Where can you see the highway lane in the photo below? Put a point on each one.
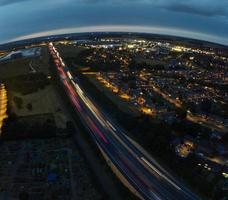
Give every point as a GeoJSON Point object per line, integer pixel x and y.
{"type": "Point", "coordinates": [106, 145]}
{"type": "Point", "coordinates": [119, 148]}
{"type": "Point", "coordinates": [97, 135]}
{"type": "Point", "coordinates": [147, 159]}
{"type": "Point", "coordinates": [121, 159]}
{"type": "Point", "coordinates": [115, 154]}
{"type": "Point", "coordinates": [140, 156]}
{"type": "Point", "coordinates": [130, 150]}
{"type": "Point", "coordinates": [148, 179]}
{"type": "Point", "coordinates": [131, 156]}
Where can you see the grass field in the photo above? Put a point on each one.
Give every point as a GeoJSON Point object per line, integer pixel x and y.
{"type": "Point", "coordinates": [124, 106]}
{"type": "Point", "coordinates": [69, 51]}
{"type": "Point", "coordinates": [43, 101]}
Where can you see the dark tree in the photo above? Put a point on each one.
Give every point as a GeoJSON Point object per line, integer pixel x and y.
{"type": "Point", "coordinates": [29, 106]}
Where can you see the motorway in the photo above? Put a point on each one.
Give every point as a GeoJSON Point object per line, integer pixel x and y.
{"type": "Point", "coordinates": [140, 172]}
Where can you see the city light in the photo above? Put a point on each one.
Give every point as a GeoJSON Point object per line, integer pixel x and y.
{"type": "Point", "coordinates": [3, 105]}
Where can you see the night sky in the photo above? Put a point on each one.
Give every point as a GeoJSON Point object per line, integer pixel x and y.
{"type": "Point", "coordinates": [201, 19]}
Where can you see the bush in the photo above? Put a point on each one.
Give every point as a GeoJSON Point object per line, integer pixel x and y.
{"type": "Point", "coordinates": [29, 106]}
{"type": "Point", "coordinates": [18, 101]}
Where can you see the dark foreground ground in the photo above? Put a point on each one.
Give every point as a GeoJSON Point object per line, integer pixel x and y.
{"type": "Point", "coordinates": [44, 169]}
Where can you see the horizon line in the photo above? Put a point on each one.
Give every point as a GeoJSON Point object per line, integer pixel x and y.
{"type": "Point", "coordinates": [166, 31]}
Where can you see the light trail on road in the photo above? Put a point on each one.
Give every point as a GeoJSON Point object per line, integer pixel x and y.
{"type": "Point", "coordinates": [147, 178]}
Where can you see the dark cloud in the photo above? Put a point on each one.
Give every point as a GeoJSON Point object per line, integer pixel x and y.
{"type": "Point", "coordinates": [197, 7]}
{"type": "Point", "coordinates": [8, 2]}
{"type": "Point", "coordinates": [192, 9]}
